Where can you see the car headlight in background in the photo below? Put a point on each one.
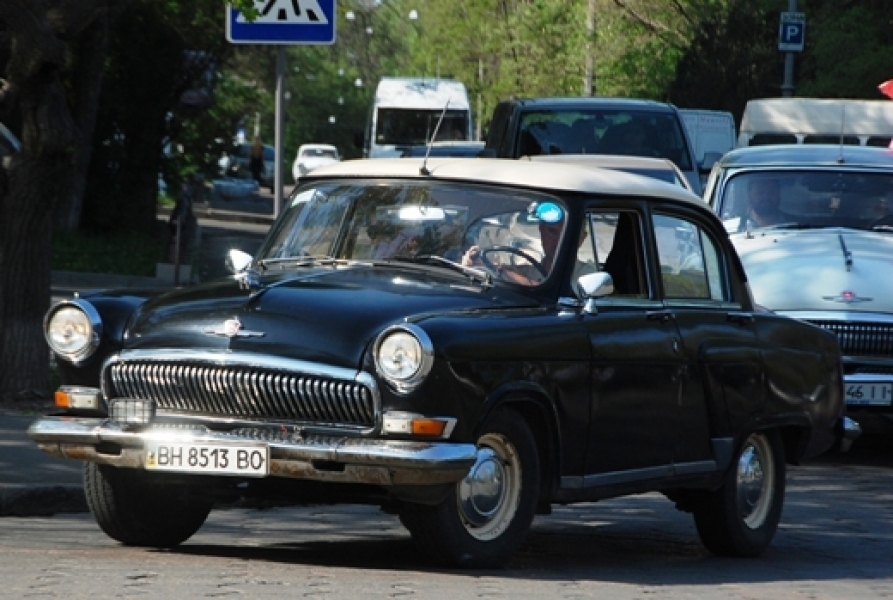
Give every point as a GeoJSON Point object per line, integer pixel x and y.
{"type": "Point", "coordinates": [73, 330]}
{"type": "Point", "coordinates": [404, 355]}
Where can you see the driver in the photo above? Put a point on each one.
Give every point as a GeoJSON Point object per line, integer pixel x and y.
{"type": "Point", "coordinates": [550, 226]}
{"type": "Point", "coordinates": [764, 198]}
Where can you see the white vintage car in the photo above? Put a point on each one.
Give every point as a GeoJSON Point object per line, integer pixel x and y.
{"type": "Point", "coordinates": [311, 156]}
{"type": "Point", "coordinates": [813, 225]}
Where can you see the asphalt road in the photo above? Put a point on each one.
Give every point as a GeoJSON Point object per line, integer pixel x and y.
{"type": "Point", "coordinates": [835, 542]}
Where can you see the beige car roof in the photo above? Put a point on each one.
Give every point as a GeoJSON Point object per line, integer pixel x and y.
{"type": "Point", "coordinates": [537, 175]}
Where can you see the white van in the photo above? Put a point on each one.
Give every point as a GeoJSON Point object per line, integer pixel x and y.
{"type": "Point", "coordinates": [406, 111]}
{"type": "Point", "coordinates": [711, 131]}
{"type": "Point", "coordinates": [712, 134]}
{"type": "Point", "coordinates": [816, 121]}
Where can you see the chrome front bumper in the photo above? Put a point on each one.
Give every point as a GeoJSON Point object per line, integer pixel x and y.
{"type": "Point", "coordinates": [320, 458]}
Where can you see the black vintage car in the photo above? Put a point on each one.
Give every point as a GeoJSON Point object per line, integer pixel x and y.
{"type": "Point", "coordinates": [463, 342]}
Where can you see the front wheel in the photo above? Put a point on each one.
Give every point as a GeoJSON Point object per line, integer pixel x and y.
{"type": "Point", "coordinates": [135, 508]}
{"type": "Point", "coordinates": [741, 517]}
{"type": "Point", "coordinates": [488, 515]}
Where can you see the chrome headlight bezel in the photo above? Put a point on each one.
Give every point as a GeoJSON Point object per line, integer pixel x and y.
{"type": "Point", "coordinates": [415, 343]}
{"type": "Point", "coordinates": [90, 323]}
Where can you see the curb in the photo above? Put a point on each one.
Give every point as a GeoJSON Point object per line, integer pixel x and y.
{"type": "Point", "coordinates": [41, 500]}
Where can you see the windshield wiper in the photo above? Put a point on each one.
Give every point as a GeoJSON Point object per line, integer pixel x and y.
{"type": "Point", "coordinates": [791, 225]}
{"type": "Point", "coordinates": [300, 261]}
{"type": "Point", "coordinates": [472, 273]}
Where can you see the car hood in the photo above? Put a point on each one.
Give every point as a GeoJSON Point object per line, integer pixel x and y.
{"type": "Point", "coordinates": [323, 314]}
{"type": "Point", "coordinates": [819, 270]}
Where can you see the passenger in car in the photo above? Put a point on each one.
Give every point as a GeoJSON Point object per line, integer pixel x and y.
{"type": "Point", "coordinates": [622, 263]}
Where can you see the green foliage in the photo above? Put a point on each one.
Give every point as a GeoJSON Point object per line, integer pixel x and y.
{"type": "Point", "coordinates": [122, 253]}
{"type": "Point", "coordinates": [848, 50]}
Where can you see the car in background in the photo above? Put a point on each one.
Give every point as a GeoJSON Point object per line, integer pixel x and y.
{"type": "Point", "coordinates": [628, 126]}
{"type": "Point", "coordinates": [828, 257]}
{"type": "Point", "coordinates": [311, 156]}
{"type": "Point", "coordinates": [446, 148]}
{"type": "Point", "coordinates": [235, 163]}
{"type": "Point", "coordinates": [399, 340]}
{"type": "Point", "coordinates": [662, 169]}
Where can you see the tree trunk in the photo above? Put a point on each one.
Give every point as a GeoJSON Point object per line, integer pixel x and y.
{"type": "Point", "coordinates": [36, 180]}
{"type": "Point", "coordinates": [86, 85]}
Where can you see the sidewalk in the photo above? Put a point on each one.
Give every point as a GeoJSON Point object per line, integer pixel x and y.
{"type": "Point", "coordinates": [33, 483]}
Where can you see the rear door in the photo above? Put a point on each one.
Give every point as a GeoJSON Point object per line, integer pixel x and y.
{"type": "Point", "coordinates": [721, 377]}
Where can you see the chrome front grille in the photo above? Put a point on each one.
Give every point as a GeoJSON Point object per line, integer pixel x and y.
{"type": "Point", "coordinates": [857, 338]}
{"type": "Point", "coordinates": [245, 391]}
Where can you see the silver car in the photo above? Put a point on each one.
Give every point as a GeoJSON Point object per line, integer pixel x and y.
{"type": "Point", "coordinates": [813, 225]}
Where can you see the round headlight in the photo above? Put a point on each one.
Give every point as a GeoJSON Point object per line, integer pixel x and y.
{"type": "Point", "coordinates": [403, 356]}
{"type": "Point", "coordinates": [73, 330]}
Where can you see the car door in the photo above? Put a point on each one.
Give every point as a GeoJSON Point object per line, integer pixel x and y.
{"type": "Point", "coordinates": [636, 361]}
{"type": "Point", "coordinates": [719, 345]}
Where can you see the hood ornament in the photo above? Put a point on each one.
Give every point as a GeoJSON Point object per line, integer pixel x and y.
{"type": "Point", "coordinates": [232, 328]}
{"type": "Point", "coordinates": [847, 297]}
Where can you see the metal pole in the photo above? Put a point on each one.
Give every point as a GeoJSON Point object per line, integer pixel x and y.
{"type": "Point", "coordinates": [280, 97]}
{"type": "Point", "coordinates": [787, 87]}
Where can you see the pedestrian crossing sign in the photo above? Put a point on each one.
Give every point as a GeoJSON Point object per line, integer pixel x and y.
{"type": "Point", "coordinates": [284, 22]}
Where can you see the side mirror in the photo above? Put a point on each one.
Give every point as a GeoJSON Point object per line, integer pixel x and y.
{"type": "Point", "coordinates": [710, 159]}
{"type": "Point", "coordinates": [238, 261]}
{"type": "Point", "coordinates": [595, 285]}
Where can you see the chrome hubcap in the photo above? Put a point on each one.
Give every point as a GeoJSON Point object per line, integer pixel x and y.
{"type": "Point", "coordinates": [488, 496]}
{"type": "Point", "coordinates": [482, 490]}
{"type": "Point", "coordinates": [755, 481]}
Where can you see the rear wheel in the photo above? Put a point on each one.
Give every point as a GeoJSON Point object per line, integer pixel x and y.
{"type": "Point", "coordinates": [741, 517]}
{"type": "Point", "coordinates": [137, 509]}
{"type": "Point", "coordinates": [482, 523]}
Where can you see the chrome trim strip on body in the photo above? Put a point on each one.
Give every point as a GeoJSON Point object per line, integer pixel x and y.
{"type": "Point", "coordinates": [361, 460]}
{"type": "Point", "coordinates": [634, 475]}
{"type": "Point", "coordinates": [837, 315]}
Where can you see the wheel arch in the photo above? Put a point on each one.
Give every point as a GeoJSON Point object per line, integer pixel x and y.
{"type": "Point", "coordinates": [540, 416]}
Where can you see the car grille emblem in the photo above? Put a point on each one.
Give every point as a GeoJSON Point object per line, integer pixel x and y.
{"type": "Point", "coordinates": [233, 328]}
{"type": "Point", "coordinates": [847, 297]}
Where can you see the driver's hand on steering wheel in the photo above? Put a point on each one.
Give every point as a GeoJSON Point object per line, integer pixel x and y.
{"type": "Point", "coordinates": [472, 257]}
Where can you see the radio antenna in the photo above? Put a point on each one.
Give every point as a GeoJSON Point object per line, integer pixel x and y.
{"type": "Point", "coordinates": [424, 170]}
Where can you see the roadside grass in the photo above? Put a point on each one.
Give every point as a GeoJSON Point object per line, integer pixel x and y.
{"type": "Point", "coordinates": [121, 253]}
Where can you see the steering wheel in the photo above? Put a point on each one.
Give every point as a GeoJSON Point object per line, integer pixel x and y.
{"type": "Point", "coordinates": [511, 250]}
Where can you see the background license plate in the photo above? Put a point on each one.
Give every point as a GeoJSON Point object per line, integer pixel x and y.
{"type": "Point", "coordinates": [869, 394]}
{"type": "Point", "coordinates": [218, 459]}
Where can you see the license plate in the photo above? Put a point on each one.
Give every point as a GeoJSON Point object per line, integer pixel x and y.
{"type": "Point", "coordinates": [212, 459]}
{"type": "Point", "coordinates": [869, 394]}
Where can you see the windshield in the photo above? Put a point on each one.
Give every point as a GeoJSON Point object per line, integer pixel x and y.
{"type": "Point", "coordinates": [319, 153]}
{"type": "Point", "coordinates": [625, 132]}
{"type": "Point", "coordinates": [851, 199]}
{"type": "Point", "coordinates": [407, 126]}
{"type": "Point", "coordinates": [386, 220]}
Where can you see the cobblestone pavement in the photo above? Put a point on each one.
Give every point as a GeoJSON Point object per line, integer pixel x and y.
{"type": "Point", "coordinates": [835, 542]}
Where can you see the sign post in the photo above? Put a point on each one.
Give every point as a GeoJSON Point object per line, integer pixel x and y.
{"type": "Point", "coordinates": [791, 35]}
{"type": "Point", "coordinates": [281, 23]}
